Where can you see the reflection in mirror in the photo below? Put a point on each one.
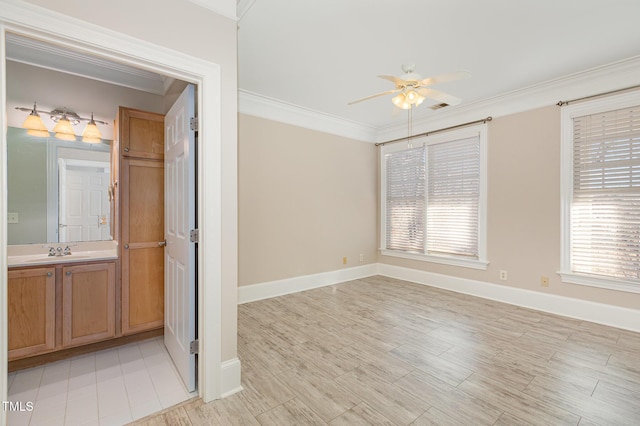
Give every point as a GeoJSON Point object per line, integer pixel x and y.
{"type": "Point", "coordinates": [57, 190]}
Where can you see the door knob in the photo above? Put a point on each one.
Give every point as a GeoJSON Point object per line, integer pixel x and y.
{"type": "Point", "coordinates": [162, 243]}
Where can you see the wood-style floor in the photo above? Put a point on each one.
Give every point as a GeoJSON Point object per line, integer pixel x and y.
{"type": "Point", "coordinates": [380, 351]}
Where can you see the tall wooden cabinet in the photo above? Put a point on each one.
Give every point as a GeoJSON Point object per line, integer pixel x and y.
{"type": "Point", "coordinates": [141, 154]}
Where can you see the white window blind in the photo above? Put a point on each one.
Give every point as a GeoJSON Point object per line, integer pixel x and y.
{"type": "Point", "coordinates": [405, 209]}
{"type": "Point", "coordinates": [605, 211]}
{"type": "Point", "coordinates": [453, 194]}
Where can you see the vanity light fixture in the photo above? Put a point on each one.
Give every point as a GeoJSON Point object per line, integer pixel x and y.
{"type": "Point", "coordinates": [65, 120]}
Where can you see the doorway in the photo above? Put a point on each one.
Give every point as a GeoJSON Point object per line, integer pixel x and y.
{"type": "Point", "coordinates": [189, 70]}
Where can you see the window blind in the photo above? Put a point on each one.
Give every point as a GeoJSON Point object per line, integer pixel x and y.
{"type": "Point", "coordinates": [453, 195]}
{"type": "Point", "coordinates": [405, 207]}
{"type": "Point", "coordinates": [605, 212]}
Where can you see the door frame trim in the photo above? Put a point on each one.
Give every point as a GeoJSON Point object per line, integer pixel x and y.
{"type": "Point", "coordinates": [36, 22]}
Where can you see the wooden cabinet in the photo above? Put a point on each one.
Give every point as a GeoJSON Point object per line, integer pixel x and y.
{"type": "Point", "coordinates": [56, 307]}
{"type": "Point", "coordinates": [31, 311]}
{"type": "Point", "coordinates": [142, 220]}
{"type": "Point", "coordinates": [88, 303]}
{"type": "Point", "coordinates": [141, 134]}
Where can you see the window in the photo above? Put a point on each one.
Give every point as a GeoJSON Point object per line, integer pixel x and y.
{"type": "Point", "coordinates": [434, 198]}
{"type": "Point", "coordinates": [601, 193]}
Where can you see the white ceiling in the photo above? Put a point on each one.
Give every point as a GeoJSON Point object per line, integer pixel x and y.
{"type": "Point", "coordinates": [311, 58]}
{"type": "Point", "coordinates": [320, 55]}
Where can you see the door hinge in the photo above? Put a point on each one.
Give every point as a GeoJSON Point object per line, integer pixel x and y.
{"type": "Point", "coordinates": [194, 236]}
{"type": "Point", "coordinates": [193, 122]}
{"type": "Point", "coordinates": [193, 347]}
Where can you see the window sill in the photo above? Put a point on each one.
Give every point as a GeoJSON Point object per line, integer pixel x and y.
{"type": "Point", "coordinates": [601, 282]}
{"type": "Point", "coordinates": [445, 260]}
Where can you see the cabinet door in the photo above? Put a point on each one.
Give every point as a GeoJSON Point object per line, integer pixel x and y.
{"type": "Point", "coordinates": [88, 303]}
{"type": "Point", "coordinates": [141, 134]}
{"type": "Point", "coordinates": [142, 245]}
{"type": "Point", "coordinates": [31, 311]}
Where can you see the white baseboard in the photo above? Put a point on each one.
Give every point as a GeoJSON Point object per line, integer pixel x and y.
{"type": "Point", "coordinates": [253, 292]}
{"type": "Point", "coordinates": [615, 316]}
{"type": "Point", "coordinates": [230, 378]}
{"type": "Point", "coordinates": [600, 313]}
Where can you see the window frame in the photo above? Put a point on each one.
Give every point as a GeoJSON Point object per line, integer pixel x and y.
{"type": "Point", "coordinates": [481, 262]}
{"type": "Point", "coordinates": [595, 106]}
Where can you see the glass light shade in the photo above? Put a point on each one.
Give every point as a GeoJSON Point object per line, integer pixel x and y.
{"type": "Point", "coordinates": [91, 133]}
{"type": "Point", "coordinates": [65, 136]}
{"type": "Point", "coordinates": [38, 133]}
{"type": "Point", "coordinates": [398, 99]}
{"type": "Point", "coordinates": [64, 130]}
{"type": "Point", "coordinates": [35, 126]}
{"type": "Point", "coordinates": [412, 96]}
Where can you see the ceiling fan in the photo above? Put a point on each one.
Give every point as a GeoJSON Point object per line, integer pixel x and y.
{"type": "Point", "coordinates": [414, 89]}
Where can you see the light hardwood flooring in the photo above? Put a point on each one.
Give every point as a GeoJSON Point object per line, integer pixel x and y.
{"type": "Point", "coordinates": [383, 351]}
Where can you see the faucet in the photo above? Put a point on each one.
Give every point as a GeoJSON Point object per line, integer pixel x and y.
{"type": "Point", "coordinates": [58, 252]}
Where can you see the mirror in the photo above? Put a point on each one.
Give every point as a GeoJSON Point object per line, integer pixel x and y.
{"type": "Point", "coordinates": [58, 191]}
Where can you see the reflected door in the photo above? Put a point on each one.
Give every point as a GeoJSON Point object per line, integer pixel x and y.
{"type": "Point", "coordinates": [84, 202]}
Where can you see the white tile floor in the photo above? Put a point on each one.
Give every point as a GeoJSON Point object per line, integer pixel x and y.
{"type": "Point", "coordinates": [111, 387]}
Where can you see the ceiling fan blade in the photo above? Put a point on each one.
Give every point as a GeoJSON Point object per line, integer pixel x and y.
{"type": "Point", "coordinates": [388, 92]}
{"type": "Point", "coordinates": [443, 78]}
{"type": "Point", "coordinates": [395, 80]}
{"type": "Point", "coordinates": [439, 96]}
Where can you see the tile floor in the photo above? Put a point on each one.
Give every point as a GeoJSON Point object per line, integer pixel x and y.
{"type": "Point", "coordinates": [111, 387]}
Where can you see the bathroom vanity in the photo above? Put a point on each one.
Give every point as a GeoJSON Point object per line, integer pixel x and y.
{"type": "Point", "coordinates": [60, 301]}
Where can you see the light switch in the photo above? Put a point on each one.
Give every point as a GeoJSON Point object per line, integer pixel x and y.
{"type": "Point", "coordinates": [12, 218]}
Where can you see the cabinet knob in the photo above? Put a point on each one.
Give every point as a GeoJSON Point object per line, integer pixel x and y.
{"type": "Point", "coordinates": [49, 274]}
{"type": "Point", "coordinates": [126, 150]}
{"type": "Point", "coordinates": [126, 246]}
{"type": "Point", "coordinates": [68, 272]}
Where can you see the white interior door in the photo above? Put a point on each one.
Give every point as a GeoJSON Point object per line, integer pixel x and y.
{"type": "Point", "coordinates": [179, 259]}
{"type": "Point", "coordinates": [84, 205]}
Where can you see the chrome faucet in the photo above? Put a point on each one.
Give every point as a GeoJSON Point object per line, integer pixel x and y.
{"type": "Point", "coordinates": [58, 252]}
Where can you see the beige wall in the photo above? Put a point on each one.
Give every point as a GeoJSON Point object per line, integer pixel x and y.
{"type": "Point", "coordinates": [523, 235]}
{"type": "Point", "coordinates": [306, 200]}
{"type": "Point", "coordinates": [185, 27]}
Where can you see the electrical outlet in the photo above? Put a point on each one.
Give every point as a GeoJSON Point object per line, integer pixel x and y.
{"type": "Point", "coordinates": [503, 275]}
{"type": "Point", "coordinates": [544, 281]}
{"type": "Point", "coordinates": [344, 260]}
{"type": "Point", "coordinates": [13, 218]}
{"type": "Point", "coordinates": [361, 257]}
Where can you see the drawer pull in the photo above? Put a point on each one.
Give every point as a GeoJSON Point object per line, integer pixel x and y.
{"type": "Point", "coordinates": [126, 246]}
{"type": "Point", "coordinates": [49, 274]}
{"type": "Point", "coordinates": [68, 272]}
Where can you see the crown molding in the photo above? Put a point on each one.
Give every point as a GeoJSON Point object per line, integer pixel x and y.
{"type": "Point", "coordinates": [614, 76]}
{"type": "Point", "coordinates": [226, 8]}
{"type": "Point", "coordinates": [273, 109]}
{"type": "Point", "coordinates": [243, 7]}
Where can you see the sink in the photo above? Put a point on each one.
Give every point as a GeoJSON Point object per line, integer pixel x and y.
{"type": "Point", "coordinates": [51, 259]}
